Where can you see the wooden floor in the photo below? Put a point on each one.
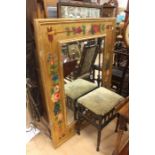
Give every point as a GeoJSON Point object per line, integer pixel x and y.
{"type": "Point", "coordinates": [125, 150]}
{"type": "Point", "coordinates": [85, 144]}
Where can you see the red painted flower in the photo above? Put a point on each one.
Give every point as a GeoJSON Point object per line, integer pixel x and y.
{"type": "Point", "coordinates": [96, 28]}
{"type": "Point", "coordinates": [56, 97]}
{"type": "Point", "coordinates": [52, 62]}
{"type": "Point", "coordinates": [78, 30]}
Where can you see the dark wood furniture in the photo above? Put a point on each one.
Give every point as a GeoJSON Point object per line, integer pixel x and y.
{"type": "Point", "coordinates": [120, 68]}
{"type": "Point", "coordinates": [87, 60]}
{"type": "Point", "coordinates": [69, 67]}
{"type": "Point", "coordinates": [98, 109]}
{"type": "Point", "coordinates": [108, 10]}
{"type": "Point", "coordinates": [83, 69]}
{"type": "Point", "coordinates": [123, 120]}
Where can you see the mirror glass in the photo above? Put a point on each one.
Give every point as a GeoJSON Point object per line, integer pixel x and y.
{"type": "Point", "coordinates": [79, 59]}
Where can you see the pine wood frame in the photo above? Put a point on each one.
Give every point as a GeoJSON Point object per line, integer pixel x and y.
{"type": "Point", "coordinates": [50, 34]}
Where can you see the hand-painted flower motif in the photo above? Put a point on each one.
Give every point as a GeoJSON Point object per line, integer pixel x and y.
{"type": "Point", "coordinates": [55, 97]}
{"type": "Point", "coordinates": [96, 28]}
{"type": "Point", "coordinates": [52, 62]}
{"type": "Point", "coordinates": [52, 98]}
{"type": "Point", "coordinates": [90, 29]}
{"type": "Point", "coordinates": [56, 108]}
{"type": "Point", "coordinates": [55, 78]}
{"type": "Point", "coordinates": [78, 30]}
{"type": "Point", "coordinates": [56, 88]}
{"type": "Point", "coordinates": [84, 29]}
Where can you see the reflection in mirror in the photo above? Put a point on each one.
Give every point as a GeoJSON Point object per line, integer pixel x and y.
{"type": "Point", "coordinates": [79, 61]}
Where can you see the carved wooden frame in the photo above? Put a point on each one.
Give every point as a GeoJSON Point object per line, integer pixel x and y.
{"type": "Point", "coordinates": [50, 34]}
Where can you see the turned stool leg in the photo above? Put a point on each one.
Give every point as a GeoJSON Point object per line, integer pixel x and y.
{"type": "Point", "coordinates": [99, 134]}
{"type": "Point", "coordinates": [98, 139]}
{"type": "Point", "coordinates": [117, 124]}
{"type": "Point", "coordinates": [79, 120]}
{"type": "Point", "coordinates": [75, 110]}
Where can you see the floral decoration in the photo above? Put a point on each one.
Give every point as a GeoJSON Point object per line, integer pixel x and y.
{"type": "Point", "coordinates": [55, 97]}
{"type": "Point", "coordinates": [94, 28]}
{"type": "Point", "coordinates": [55, 92]}
{"type": "Point", "coordinates": [56, 89]}
{"type": "Point", "coordinates": [55, 78]}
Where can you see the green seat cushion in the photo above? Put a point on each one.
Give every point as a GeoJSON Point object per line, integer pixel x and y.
{"type": "Point", "coordinates": [78, 88]}
{"type": "Point", "coordinates": [100, 101]}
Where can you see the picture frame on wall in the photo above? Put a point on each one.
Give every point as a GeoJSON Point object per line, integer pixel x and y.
{"type": "Point", "coordinates": [78, 10]}
{"type": "Point", "coordinates": [108, 10]}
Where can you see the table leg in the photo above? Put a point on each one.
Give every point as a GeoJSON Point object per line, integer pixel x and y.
{"type": "Point", "coordinates": [118, 142]}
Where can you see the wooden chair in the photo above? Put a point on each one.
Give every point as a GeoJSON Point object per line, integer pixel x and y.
{"type": "Point", "coordinates": [119, 70]}
{"type": "Point", "coordinates": [84, 68]}
{"type": "Point", "coordinates": [122, 121]}
{"type": "Point", "coordinates": [98, 108]}
{"type": "Point", "coordinates": [69, 67]}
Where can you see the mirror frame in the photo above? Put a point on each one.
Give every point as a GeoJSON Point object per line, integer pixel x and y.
{"type": "Point", "coordinates": [76, 4]}
{"type": "Point", "coordinates": [49, 36]}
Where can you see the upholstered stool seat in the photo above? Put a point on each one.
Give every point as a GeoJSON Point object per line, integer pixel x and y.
{"type": "Point", "coordinates": [100, 101]}
{"type": "Point", "coordinates": [98, 108]}
{"type": "Point", "coordinates": [78, 88]}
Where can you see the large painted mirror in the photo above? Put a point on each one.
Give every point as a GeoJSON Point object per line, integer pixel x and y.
{"type": "Point", "coordinates": [79, 57]}
{"type": "Point", "coordinates": [66, 51]}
